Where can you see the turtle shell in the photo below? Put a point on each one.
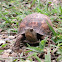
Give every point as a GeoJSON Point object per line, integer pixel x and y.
{"type": "Point", "coordinates": [36, 21]}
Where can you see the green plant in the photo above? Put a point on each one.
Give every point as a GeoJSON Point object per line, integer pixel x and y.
{"type": "Point", "coordinates": [48, 57]}
{"type": "Point", "coordinates": [39, 48]}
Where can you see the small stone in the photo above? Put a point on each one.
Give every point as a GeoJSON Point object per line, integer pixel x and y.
{"type": "Point", "coordinates": [8, 51]}
{"type": "Point", "coordinates": [11, 37]}
{"type": "Point", "coordinates": [53, 61]}
{"type": "Point", "coordinates": [27, 61]}
{"type": "Point", "coordinates": [2, 41]}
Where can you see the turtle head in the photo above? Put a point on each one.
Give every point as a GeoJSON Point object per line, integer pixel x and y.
{"type": "Point", "coordinates": [30, 34]}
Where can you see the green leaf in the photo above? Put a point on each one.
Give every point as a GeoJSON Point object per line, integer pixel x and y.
{"type": "Point", "coordinates": [48, 57]}
{"type": "Point", "coordinates": [28, 51]}
{"type": "Point", "coordinates": [59, 59]}
{"type": "Point", "coordinates": [1, 51]}
{"type": "Point", "coordinates": [4, 45]}
{"type": "Point", "coordinates": [33, 3]}
{"type": "Point", "coordinates": [51, 28]}
{"type": "Point", "coordinates": [35, 55]}
{"type": "Point", "coordinates": [42, 44]}
{"type": "Point", "coordinates": [36, 49]}
{"type": "Point", "coordinates": [59, 44]}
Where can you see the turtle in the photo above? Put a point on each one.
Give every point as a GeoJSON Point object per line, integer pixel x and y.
{"type": "Point", "coordinates": [33, 28]}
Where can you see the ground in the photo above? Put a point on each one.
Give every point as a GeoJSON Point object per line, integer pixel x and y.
{"type": "Point", "coordinates": [12, 13]}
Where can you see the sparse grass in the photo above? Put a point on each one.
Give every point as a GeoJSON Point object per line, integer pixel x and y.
{"type": "Point", "coordinates": [13, 11]}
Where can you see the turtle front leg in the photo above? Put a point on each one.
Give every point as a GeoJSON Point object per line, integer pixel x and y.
{"type": "Point", "coordinates": [16, 46]}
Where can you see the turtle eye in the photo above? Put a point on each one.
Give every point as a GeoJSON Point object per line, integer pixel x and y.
{"type": "Point", "coordinates": [31, 30]}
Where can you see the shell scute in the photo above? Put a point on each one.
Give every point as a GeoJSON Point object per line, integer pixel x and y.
{"type": "Point", "coordinates": [36, 21]}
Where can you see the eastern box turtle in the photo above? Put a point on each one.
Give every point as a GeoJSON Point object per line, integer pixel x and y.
{"type": "Point", "coordinates": [33, 28]}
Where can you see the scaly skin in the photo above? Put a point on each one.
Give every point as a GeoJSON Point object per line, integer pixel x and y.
{"type": "Point", "coordinates": [17, 43]}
